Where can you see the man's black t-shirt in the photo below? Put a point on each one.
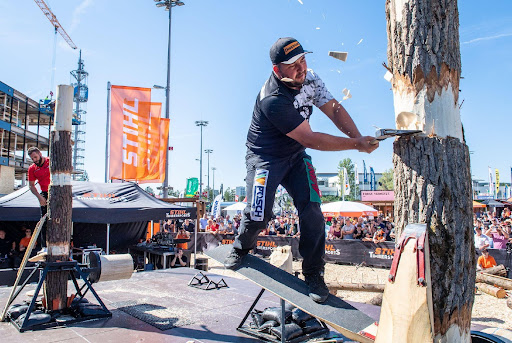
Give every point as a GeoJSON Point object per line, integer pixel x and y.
{"type": "Point", "coordinates": [282, 230]}
{"type": "Point", "coordinates": [190, 227]}
{"type": "Point", "coordinates": [279, 110]}
{"type": "Point", "coordinates": [177, 263]}
{"type": "Point", "coordinates": [5, 247]}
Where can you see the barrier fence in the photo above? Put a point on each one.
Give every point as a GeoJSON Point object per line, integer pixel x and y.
{"type": "Point", "coordinates": [337, 251]}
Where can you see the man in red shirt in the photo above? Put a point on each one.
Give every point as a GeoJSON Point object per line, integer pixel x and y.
{"type": "Point", "coordinates": [40, 171]}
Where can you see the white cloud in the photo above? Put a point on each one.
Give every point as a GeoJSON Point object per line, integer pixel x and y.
{"type": "Point", "coordinates": [77, 13]}
{"type": "Point", "coordinates": [488, 38]}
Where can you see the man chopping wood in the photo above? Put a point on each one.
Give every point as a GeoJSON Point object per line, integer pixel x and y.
{"type": "Point", "coordinates": [40, 171]}
{"type": "Point", "coordinates": [278, 136]}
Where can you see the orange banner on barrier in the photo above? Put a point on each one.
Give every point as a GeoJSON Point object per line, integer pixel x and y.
{"type": "Point", "coordinates": [138, 136]}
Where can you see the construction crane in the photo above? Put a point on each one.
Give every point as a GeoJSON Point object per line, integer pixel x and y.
{"type": "Point", "coordinates": [58, 28]}
{"type": "Point", "coordinates": [53, 19]}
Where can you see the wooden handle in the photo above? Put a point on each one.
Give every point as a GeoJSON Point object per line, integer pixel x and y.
{"type": "Point", "coordinates": [375, 141]}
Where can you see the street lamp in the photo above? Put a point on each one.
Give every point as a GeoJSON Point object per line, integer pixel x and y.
{"type": "Point", "coordinates": [208, 151]}
{"type": "Point", "coordinates": [168, 4]}
{"type": "Point", "coordinates": [201, 123]}
{"type": "Point", "coordinates": [213, 170]}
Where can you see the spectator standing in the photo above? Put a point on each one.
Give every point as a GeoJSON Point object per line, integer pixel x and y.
{"type": "Point", "coordinates": [380, 235]}
{"type": "Point", "coordinates": [203, 222]}
{"type": "Point", "coordinates": [335, 232]}
{"type": "Point", "coordinates": [359, 233]}
{"type": "Point", "coordinates": [212, 226]}
{"type": "Point", "coordinates": [189, 226]}
{"type": "Point", "coordinates": [498, 235]}
{"type": "Point", "coordinates": [348, 229]}
{"type": "Point", "coordinates": [282, 229]}
{"type": "Point", "coordinates": [481, 241]}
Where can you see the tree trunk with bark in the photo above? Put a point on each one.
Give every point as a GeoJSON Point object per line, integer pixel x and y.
{"type": "Point", "coordinates": [432, 171]}
{"type": "Point", "coordinates": [60, 200]}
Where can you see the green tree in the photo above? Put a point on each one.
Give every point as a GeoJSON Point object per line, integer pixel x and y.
{"type": "Point", "coordinates": [354, 189]}
{"type": "Point", "coordinates": [229, 194]}
{"type": "Point", "coordinates": [173, 193]}
{"type": "Point", "coordinates": [386, 181]}
{"type": "Point", "coordinates": [329, 198]}
{"type": "Point", "coordinates": [150, 190]}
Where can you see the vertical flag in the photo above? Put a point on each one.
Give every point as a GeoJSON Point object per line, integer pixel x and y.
{"type": "Point", "coordinates": [216, 206]}
{"type": "Point", "coordinates": [236, 198]}
{"type": "Point", "coordinates": [130, 107]}
{"type": "Point", "coordinates": [491, 185]}
{"type": "Point", "coordinates": [157, 139]}
{"type": "Point", "coordinates": [346, 182]}
{"type": "Point", "coordinates": [372, 179]}
{"type": "Point", "coordinates": [365, 175]}
{"type": "Point", "coordinates": [497, 182]}
{"type": "Point", "coordinates": [356, 174]}
{"type": "Point", "coordinates": [192, 186]}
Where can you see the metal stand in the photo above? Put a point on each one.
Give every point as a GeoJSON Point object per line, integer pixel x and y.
{"type": "Point", "coordinates": [200, 282]}
{"type": "Point", "coordinates": [269, 338]}
{"type": "Point", "coordinates": [71, 267]}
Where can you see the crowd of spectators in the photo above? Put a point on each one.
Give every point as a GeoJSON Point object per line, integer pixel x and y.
{"type": "Point", "coordinates": [492, 231]}
{"type": "Point", "coordinates": [12, 249]}
{"type": "Point", "coordinates": [366, 229]}
{"type": "Point", "coordinates": [379, 229]}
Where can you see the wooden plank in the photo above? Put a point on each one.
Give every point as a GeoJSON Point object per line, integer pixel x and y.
{"type": "Point", "coordinates": [339, 314]}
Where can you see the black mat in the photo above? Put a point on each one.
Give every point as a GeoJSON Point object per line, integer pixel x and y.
{"type": "Point", "coordinates": [334, 311]}
{"type": "Point", "coordinates": [162, 318]}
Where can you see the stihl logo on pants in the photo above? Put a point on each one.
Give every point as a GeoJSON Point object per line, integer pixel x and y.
{"type": "Point", "coordinates": [258, 195]}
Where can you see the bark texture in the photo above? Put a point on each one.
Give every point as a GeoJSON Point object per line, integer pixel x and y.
{"type": "Point", "coordinates": [59, 222]}
{"type": "Point", "coordinates": [432, 174]}
{"type": "Point", "coordinates": [432, 185]}
{"type": "Point", "coordinates": [423, 45]}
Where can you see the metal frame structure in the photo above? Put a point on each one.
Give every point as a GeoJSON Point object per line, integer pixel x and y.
{"type": "Point", "coordinates": [80, 97]}
{"type": "Point", "coordinates": [23, 123]}
{"type": "Point", "coordinates": [71, 267]}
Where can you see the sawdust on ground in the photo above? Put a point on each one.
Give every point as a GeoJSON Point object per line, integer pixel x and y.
{"type": "Point", "coordinates": [487, 310]}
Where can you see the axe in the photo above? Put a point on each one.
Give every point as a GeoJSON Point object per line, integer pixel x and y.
{"type": "Point", "coordinates": [382, 134]}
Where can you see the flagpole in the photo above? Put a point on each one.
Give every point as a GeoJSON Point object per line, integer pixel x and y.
{"type": "Point", "coordinates": [107, 141]}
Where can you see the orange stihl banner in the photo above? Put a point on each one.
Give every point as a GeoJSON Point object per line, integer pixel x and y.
{"type": "Point", "coordinates": [138, 136]}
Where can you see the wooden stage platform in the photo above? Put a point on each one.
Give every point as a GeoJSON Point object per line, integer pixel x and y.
{"type": "Point", "coordinates": [158, 306]}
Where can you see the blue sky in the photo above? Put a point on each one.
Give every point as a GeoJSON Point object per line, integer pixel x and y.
{"type": "Point", "coordinates": [220, 61]}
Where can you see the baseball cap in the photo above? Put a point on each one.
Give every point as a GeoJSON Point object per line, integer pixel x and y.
{"type": "Point", "coordinates": [286, 50]}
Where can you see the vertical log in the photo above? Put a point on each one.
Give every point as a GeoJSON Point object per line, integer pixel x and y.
{"type": "Point", "coordinates": [432, 172]}
{"type": "Point", "coordinates": [60, 198]}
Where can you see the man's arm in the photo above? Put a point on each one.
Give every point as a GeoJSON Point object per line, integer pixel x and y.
{"type": "Point", "coordinates": [340, 117]}
{"type": "Point", "coordinates": [33, 189]}
{"type": "Point", "coordinates": [325, 142]}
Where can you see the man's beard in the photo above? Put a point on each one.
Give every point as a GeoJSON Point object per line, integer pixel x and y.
{"type": "Point", "coordinates": [40, 162]}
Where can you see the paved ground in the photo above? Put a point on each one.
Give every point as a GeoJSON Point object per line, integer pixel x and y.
{"type": "Point", "coordinates": [162, 296]}
{"type": "Point", "coordinates": [200, 316]}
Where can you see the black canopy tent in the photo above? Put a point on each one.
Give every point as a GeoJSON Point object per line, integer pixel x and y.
{"type": "Point", "coordinates": [124, 208]}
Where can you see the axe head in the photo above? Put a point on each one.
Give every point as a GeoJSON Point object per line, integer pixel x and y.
{"type": "Point", "coordinates": [382, 134]}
